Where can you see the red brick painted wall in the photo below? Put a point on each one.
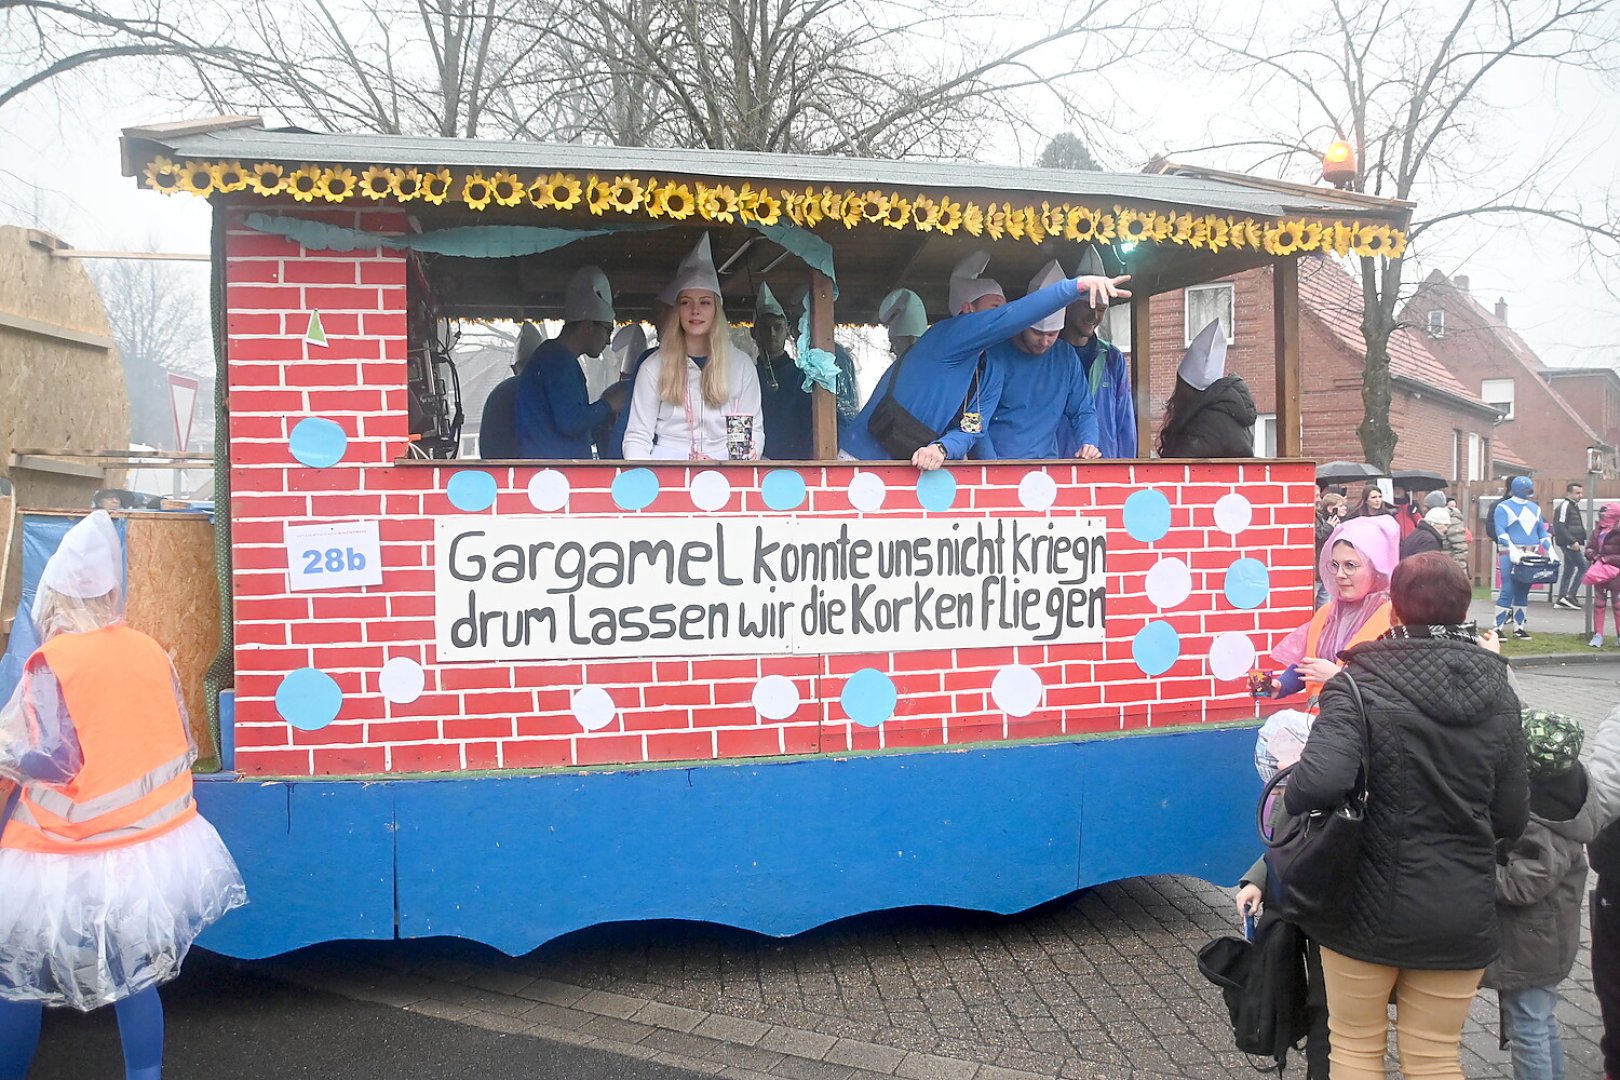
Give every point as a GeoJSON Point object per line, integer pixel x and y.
{"type": "Point", "coordinates": [514, 716]}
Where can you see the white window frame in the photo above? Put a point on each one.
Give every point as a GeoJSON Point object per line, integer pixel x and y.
{"type": "Point", "coordinates": [1265, 430]}
{"type": "Point", "coordinates": [1436, 324]}
{"type": "Point", "coordinates": [1116, 326]}
{"type": "Point", "coordinates": [1485, 394]}
{"type": "Point", "coordinates": [1478, 468]}
{"type": "Point", "coordinates": [1189, 331]}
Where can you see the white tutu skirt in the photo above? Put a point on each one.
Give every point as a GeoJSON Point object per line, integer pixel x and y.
{"type": "Point", "coordinates": [88, 930]}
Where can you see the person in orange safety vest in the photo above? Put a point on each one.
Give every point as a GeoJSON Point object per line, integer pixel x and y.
{"type": "Point", "coordinates": [108, 872]}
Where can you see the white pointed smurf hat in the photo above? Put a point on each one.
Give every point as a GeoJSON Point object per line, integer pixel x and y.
{"type": "Point", "coordinates": [1206, 358]}
{"type": "Point", "coordinates": [589, 297]}
{"type": "Point", "coordinates": [695, 272]}
{"type": "Point", "coordinates": [902, 312]}
{"type": "Point", "coordinates": [1050, 274]}
{"type": "Point", "coordinates": [767, 304]}
{"type": "Point", "coordinates": [966, 284]}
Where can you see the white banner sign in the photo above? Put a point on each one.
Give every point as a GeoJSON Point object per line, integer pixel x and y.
{"type": "Point", "coordinates": [337, 556]}
{"type": "Point", "coordinates": [539, 588]}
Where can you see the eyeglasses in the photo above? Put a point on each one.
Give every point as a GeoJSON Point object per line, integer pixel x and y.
{"type": "Point", "coordinates": [1346, 569]}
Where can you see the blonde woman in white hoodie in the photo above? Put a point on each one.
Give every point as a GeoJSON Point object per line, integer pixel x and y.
{"type": "Point", "coordinates": [698, 385]}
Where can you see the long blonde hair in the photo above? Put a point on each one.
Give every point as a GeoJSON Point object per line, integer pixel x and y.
{"type": "Point", "coordinates": [674, 349]}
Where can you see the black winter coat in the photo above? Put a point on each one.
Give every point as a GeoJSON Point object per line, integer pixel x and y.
{"type": "Point", "coordinates": [1446, 781]}
{"type": "Point", "coordinates": [1214, 423]}
{"type": "Point", "coordinates": [1423, 538]}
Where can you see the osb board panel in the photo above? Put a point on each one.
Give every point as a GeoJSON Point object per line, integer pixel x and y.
{"type": "Point", "coordinates": [174, 597]}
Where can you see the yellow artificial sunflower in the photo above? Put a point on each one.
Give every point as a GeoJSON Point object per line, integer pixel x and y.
{"type": "Point", "coordinates": [652, 200]}
{"type": "Point", "coordinates": [626, 194]}
{"type": "Point", "coordinates": [436, 185]}
{"type": "Point", "coordinates": [1311, 238]}
{"type": "Point", "coordinates": [1340, 240]}
{"type": "Point", "coordinates": [196, 177]}
{"type": "Point", "coordinates": [877, 206]}
{"type": "Point", "coordinates": [812, 208]}
{"type": "Point", "coordinates": [1240, 234]}
{"type": "Point", "coordinates": [306, 183]}
{"type": "Point", "coordinates": [678, 201]}
{"type": "Point", "coordinates": [476, 191]}
{"type": "Point", "coordinates": [507, 188]}
{"type": "Point", "coordinates": [1105, 229]}
{"type": "Point", "coordinates": [267, 178]}
{"type": "Point", "coordinates": [718, 203]}
{"type": "Point", "coordinates": [1220, 233]}
{"type": "Point", "coordinates": [406, 183]}
{"type": "Point", "coordinates": [899, 212]}
{"type": "Point", "coordinates": [376, 182]}
{"type": "Point", "coordinates": [1133, 227]}
{"type": "Point", "coordinates": [995, 221]}
{"type": "Point", "coordinates": [1372, 240]}
{"type": "Point", "coordinates": [558, 191]}
{"type": "Point", "coordinates": [162, 175]}
{"type": "Point", "coordinates": [832, 204]}
{"type": "Point", "coordinates": [1013, 221]}
{"type": "Point", "coordinates": [924, 213]}
{"type": "Point", "coordinates": [854, 209]}
{"type": "Point", "coordinates": [598, 196]}
{"type": "Point", "coordinates": [1397, 244]}
{"type": "Point", "coordinates": [1080, 224]}
{"type": "Point", "coordinates": [339, 184]}
{"type": "Point", "coordinates": [973, 219]}
{"type": "Point", "coordinates": [1181, 228]}
{"type": "Point", "coordinates": [793, 206]}
{"type": "Point", "coordinates": [767, 208]}
{"type": "Point", "coordinates": [1161, 226]}
{"type": "Point", "coordinates": [1034, 225]}
{"type": "Point", "coordinates": [950, 215]}
{"type": "Point", "coordinates": [1053, 218]}
{"type": "Point", "coordinates": [230, 176]}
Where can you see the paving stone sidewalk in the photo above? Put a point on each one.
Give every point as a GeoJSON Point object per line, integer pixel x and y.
{"type": "Point", "coordinates": [1101, 984]}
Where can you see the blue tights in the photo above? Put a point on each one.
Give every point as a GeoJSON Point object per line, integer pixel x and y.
{"type": "Point", "coordinates": [140, 1028]}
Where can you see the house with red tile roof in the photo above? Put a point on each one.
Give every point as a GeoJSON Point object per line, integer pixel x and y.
{"type": "Point", "coordinates": [1549, 429]}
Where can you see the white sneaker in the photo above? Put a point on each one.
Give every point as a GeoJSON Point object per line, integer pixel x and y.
{"type": "Point", "coordinates": [1596, 642]}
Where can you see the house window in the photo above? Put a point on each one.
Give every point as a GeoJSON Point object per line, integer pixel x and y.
{"type": "Point", "coordinates": [1459, 465]}
{"type": "Point", "coordinates": [1116, 326]}
{"type": "Point", "coordinates": [1437, 323]}
{"type": "Point", "coordinates": [1498, 394]}
{"type": "Point", "coordinates": [1206, 303]}
{"type": "Point", "coordinates": [1265, 435]}
{"type": "Point", "coordinates": [1476, 458]}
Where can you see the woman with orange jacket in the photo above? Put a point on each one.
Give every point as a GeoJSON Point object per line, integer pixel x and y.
{"type": "Point", "coordinates": [108, 872]}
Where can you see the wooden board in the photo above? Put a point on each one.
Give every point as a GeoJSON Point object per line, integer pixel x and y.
{"type": "Point", "coordinates": [174, 597]}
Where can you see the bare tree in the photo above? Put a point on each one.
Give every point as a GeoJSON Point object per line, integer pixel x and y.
{"type": "Point", "coordinates": [1410, 87]}
{"type": "Point", "coordinates": [158, 312]}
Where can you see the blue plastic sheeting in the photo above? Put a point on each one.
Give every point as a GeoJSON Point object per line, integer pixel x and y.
{"type": "Point", "coordinates": [776, 848]}
{"type": "Point", "coordinates": [318, 859]}
{"type": "Point", "coordinates": [41, 534]}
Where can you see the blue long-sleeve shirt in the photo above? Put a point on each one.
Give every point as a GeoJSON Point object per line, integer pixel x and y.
{"type": "Point", "coordinates": [1043, 399]}
{"type": "Point", "coordinates": [1519, 523]}
{"type": "Point", "coordinates": [555, 414]}
{"type": "Point", "coordinates": [497, 431]}
{"type": "Point", "coordinates": [1111, 393]}
{"type": "Point", "coordinates": [939, 369]}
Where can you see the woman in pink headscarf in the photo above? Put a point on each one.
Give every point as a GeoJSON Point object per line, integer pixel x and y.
{"type": "Point", "coordinates": [1355, 564]}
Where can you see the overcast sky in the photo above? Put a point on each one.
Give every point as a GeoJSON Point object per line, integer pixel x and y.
{"type": "Point", "coordinates": [59, 164]}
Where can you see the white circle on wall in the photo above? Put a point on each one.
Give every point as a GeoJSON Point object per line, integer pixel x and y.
{"type": "Point", "coordinates": [1037, 490]}
{"type": "Point", "coordinates": [401, 680]}
{"type": "Point", "coordinates": [710, 490]}
{"type": "Point", "coordinates": [776, 697]}
{"type": "Point", "coordinates": [1231, 655]}
{"type": "Point", "coordinates": [1233, 513]}
{"type": "Point", "coordinates": [548, 490]}
{"type": "Point", "coordinates": [1017, 690]}
{"type": "Point", "coordinates": [1169, 583]}
{"type": "Point", "coordinates": [866, 492]}
{"type": "Point", "coordinates": [593, 708]}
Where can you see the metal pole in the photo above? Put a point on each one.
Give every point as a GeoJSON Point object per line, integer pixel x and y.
{"type": "Point", "coordinates": [1591, 488]}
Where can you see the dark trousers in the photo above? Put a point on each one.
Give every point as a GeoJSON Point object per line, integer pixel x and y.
{"type": "Point", "coordinates": [1606, 968]}
{"type": "Point", "coordinates": [1569, 582]}
{"type": "Point", "coordinates": [1317, 1045]}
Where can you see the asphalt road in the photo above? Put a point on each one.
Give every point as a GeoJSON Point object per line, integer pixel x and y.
{"type": "Point", "coordinates": [224, 1020]}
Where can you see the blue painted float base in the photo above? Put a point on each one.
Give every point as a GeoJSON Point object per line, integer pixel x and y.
{"type": "Point", "coordinates": [776, 847]}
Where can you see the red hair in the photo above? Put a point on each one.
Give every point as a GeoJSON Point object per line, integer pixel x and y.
{"type": "Point", "coordinates": [1429, 589]}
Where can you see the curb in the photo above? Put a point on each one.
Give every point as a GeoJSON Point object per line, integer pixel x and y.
{"type": "Point", "coordinates": [1596, 656]}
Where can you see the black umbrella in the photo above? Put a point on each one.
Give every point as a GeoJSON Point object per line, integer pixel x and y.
{"type": "Point", "coordinates": [1344, 472]}
{"type": "Point", "coordinates": [1419, 480]}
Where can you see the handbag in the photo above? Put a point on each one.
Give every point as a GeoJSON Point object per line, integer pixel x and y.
{"type": "Point", "coordinates": [1535, 570]}
{"type": "Point", "coordinates": [1600, 573]}
{"type": "Point", "coordinates": [1312, 860]}
{"type": "Point", "coordinates": [899, 432]}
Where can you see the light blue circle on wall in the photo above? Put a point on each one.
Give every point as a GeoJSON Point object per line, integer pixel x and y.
{"type": "Point", "coordinates": [1248, 583]}
{"type": "Point", "coordinates": [782, 489]}
{"type": "Point", "coordinates": [317, 442]}
{"type": "Point", "coordinates": [1147, 515]}
{"type": "Point", "coordinates": [471, 490]}
{"type": "Point", "coordinates": [308, 699]}
{"type": "Point", "coordinates": [869, 697]}
{"type": "Point", "coordinates": [1156, 648]}
{"type": "Point", "coordinates": [936, 490]}
{"type": "Point", "coordinates": [635, 489]}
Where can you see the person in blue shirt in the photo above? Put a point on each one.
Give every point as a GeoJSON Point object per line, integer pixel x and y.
{"type": "Point", "coordinates": [1045, 401]}
{"type": "Point", "coordinates": [942, 371]}
{"type": "Point", "coordinates": [555, 417]}
{"type": "Point", "coordinates": [783, 400]}
{"type": "Point", "coordinates": [1520, 531]}
{"type": "Point", "coordinates": [497, 429]}
{"type": "Point", "coordinates": [1107, 374]}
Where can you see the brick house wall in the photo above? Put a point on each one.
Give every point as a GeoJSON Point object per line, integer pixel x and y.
{"type": "Point", "coordinates": [1594, 393]}
{"type": "Point", "coordinates": [518, 715]}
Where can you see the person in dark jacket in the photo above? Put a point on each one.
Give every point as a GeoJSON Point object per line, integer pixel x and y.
{"type": "Point", "coordinates": [1371, 505]}
{"type": "Point", "coordinates": [1569, 534]}
{"type": "Point", "coordinates": [497, 430]}
{"type": "Point", "coordinates": [1209, 414]}
{"type": "Point", "coordinates": [1538, 898]}
{"type": "Point", "coordinates": [1446, 781]}
{"type": "Point", "coordinates": [1429, 535]}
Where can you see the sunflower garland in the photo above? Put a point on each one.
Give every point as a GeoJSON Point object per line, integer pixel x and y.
{"type": "Point", "coordinates": [805, 207]}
